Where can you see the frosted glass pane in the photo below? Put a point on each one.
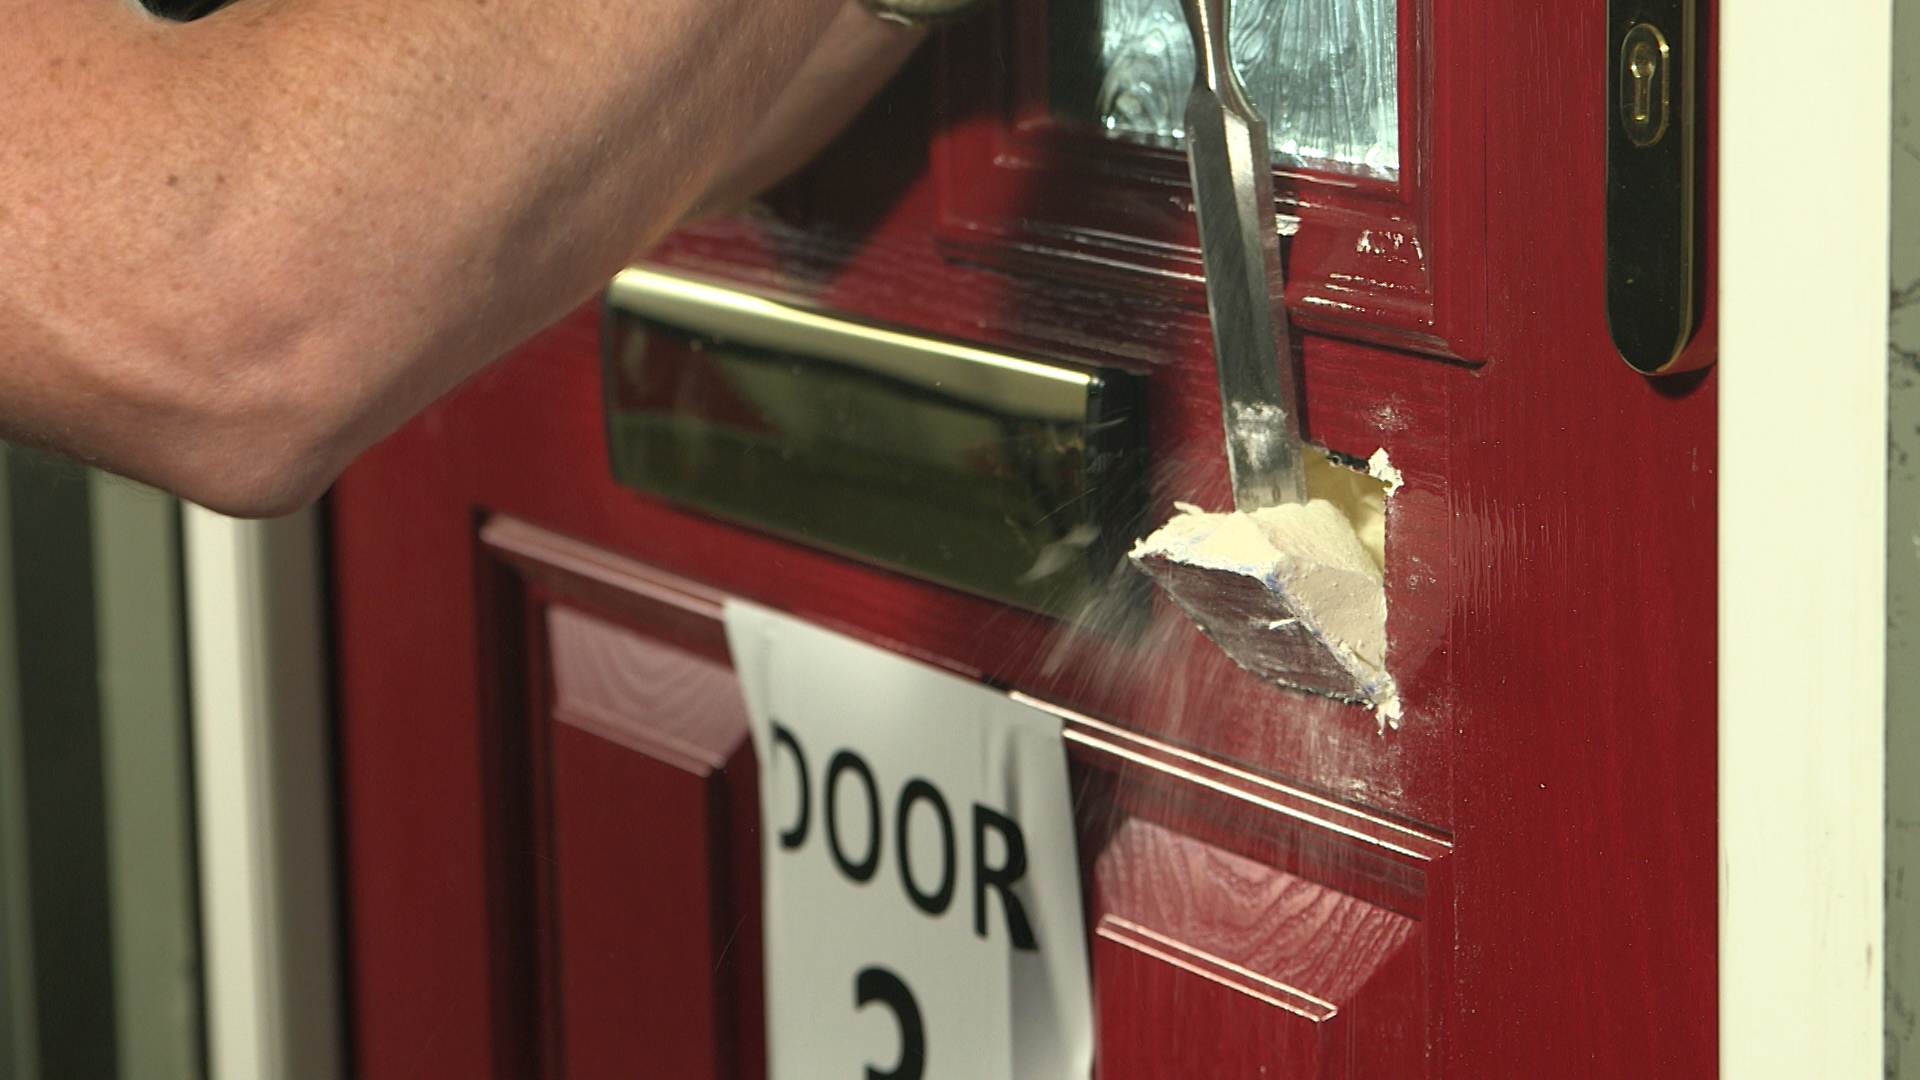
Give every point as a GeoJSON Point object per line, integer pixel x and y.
{"type": "Point", "coordinates": [1323, 72]}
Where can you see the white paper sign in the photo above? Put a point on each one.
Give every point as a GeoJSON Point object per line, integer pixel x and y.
{"type": "Point", "coordinates": [923, 917]}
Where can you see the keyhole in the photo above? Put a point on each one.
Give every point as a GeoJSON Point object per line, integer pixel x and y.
{"type": "Point", "coordinates": [1643, 85]}
{"type": "Point", "coordinates": [1642, 67]}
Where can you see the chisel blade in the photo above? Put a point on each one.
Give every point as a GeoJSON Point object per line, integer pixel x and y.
{"type": "Point", "coordinates": [1231, 165]}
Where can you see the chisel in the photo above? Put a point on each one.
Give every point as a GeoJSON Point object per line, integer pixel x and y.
{"type": "Point", "coordinates": [1283, 584]}
{"type": "Point", "coordinates": [1232, 167]}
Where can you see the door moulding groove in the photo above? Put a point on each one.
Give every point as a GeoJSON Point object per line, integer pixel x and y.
{"type": "Point", "coordinates": [1228, 974]}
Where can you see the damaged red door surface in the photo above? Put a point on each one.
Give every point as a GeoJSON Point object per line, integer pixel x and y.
{"type": "Point", "coordinates": [549, 797]}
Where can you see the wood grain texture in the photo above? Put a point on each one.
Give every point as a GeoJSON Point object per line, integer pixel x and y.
{"type": "Point", "coordinates": [1170, 679]}
{"type": "Point", "coordinates": [1385, 862]}
{"type": "Point", "coordinates": [645, 857]}
{"type": "Point", "coordinates": [1179, 954]}
{"type": "Point", "coordinates": [675, 609]}
{"type": "Point", "coordinates": [1153, 1012]}
{"type": "Point", "coordinates": [1550, 580]}
{"type": "Point", "coordinates": [1584, 501]}
{"type": "Point", "coordinates": [663, 702]}
{"type": "Point", "coordinates": [1325, 984]}
{"type": "Point", "coordinates": [1321, 944]}
{"type": "Point", "coordinates": [1376, 260]}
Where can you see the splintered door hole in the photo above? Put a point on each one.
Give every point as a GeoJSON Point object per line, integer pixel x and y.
{"type": "Point", "coordinates": [1360, 488]}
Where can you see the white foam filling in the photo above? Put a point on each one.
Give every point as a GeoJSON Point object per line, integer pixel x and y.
{"type": "Point", "coordinates": [1326, 555]}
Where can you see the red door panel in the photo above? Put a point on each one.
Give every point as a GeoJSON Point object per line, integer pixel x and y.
{"type": "Point", "coordinates": [643, 911]}
{"type": "Point", "coordinates": [1202, 955]}
{"type": "Point", "coordinates": [1518, 881]}
{"type": "Point", "coordinates": [642, 862]}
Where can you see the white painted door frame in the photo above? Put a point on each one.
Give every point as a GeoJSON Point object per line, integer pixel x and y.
{"type": "Point", "coordinates": [263, 754]}
{"type": "Point", "coordinates": [1803, 234]}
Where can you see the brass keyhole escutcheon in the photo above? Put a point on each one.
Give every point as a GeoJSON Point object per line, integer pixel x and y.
{"type": "Point", "coordinates": [1640, 69]}
{"type": "Point", "coordinates": [1644, 92]}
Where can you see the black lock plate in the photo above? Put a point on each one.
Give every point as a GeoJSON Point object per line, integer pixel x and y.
{"type": "Point", "coordinates": [1652, 258]}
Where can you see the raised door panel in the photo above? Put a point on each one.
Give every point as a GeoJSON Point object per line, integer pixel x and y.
{"type": "Point", "coordinates": [623, 884]}
{"type": "Point", "coordinates": [644, 859]}
{"type": "Point", "coordinates": [644, 745]}
{"type": "Point", "coordinates": [632, 927]}
{"type": "Point", "coordinates": [1201, 954]}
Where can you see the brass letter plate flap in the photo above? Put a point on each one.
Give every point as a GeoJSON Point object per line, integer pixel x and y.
{"type": "Point", "coordinates": [1007, 477]}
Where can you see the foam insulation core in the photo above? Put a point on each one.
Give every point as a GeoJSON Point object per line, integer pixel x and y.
{"type": "Point", "coordinates": [1293, 593]}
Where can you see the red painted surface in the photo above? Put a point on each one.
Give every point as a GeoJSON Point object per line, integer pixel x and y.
{"type": "Point", "coordinates": [1545, 813]}
{"type": "Point", "coordinates": [635, 977]}
{"type": "Point", "coordinates": [642, 911]}
{"type": "Point", "coordinates": [1320, 984]}
{"type": "Point", "coordinates": [1393, 261]}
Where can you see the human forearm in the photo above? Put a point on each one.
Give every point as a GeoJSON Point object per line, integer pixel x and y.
{"type": "Point", "coordinates": [280, 230]}
{"type": "Point", "coordinates": [853, 59]}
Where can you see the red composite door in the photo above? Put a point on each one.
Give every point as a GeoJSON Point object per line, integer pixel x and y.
{"type": "Point", "coordinates": [552, 866]}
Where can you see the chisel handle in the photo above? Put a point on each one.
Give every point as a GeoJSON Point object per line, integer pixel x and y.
{"type": "Point", "coordinates": [1232, 167]}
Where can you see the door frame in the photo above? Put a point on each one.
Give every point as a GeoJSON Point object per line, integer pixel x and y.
{"type": "Point", "coordinates": [265, 791]}
{"type": "Point", "coordinates": [1802, 714]}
